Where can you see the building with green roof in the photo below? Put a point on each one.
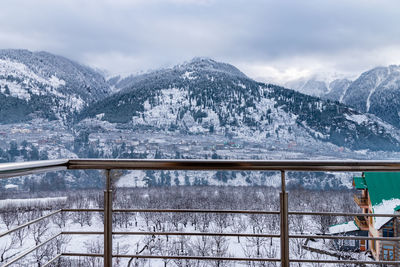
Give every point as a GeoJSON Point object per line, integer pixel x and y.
{"type": "Point", "coordinates": [380, 194]}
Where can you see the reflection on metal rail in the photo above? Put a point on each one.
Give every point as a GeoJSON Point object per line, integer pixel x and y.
{"type": "Point", "coordinates": [17, 169]}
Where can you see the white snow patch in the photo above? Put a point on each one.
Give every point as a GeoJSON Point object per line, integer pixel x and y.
{"type": "Point", "coordinates": [47, 201]}
{"type": "Point", "coordinates": [343, 228]}
{"type": "Point", "coordinates": [187, 75]}
{"type": "Point", "coordinates": [54, 81]}
{"type": "Point", "coordinates": [11, 186]}
{"type": "Point", "coordinates": [100, 116]}
{"type": "Point", "coordinates": [358, 118]}
{"type": "Point", "coordinates": [378, 82]}
{"type": "Point", "coordinates": [132, 179]}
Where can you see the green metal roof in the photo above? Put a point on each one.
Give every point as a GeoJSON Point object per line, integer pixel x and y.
{"type": "Point", "coordinates": [382, 186]}
{"type": "Point", "coordinates": [359, 183]}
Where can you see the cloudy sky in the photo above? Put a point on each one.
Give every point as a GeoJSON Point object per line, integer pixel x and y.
{"type": "Point", "coordinates": [269, 40]}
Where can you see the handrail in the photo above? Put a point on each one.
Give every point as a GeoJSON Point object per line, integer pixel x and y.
{"type": "Point", "coordinates": [23, 168]}
{"type": "Point", "coordinates": [239, 165]}
{"type": "Point", "coordinates": [14, 169]}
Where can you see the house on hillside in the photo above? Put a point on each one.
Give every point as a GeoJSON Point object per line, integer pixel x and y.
{"type": "Point", "coordinates": [379, 194]}
{"type": "Point", "coordinates": [348, 229]}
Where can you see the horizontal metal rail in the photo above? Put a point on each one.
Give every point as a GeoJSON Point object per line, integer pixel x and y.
{"type": "Point", "coordinates": [345, 237]}
{"type": "Point", "coordinates": [26, 252]}
{"type": "Point", "coordinates": [171, 234]}
{"type": "Point", "coordinates": [82, 210]}
{"type": "Point", "coordinates": [206, 258]}
{"type": "Point", "coordinates": [342, 214]}
{"type": "Point", "coordinates": [33, 167]}
{"type": "Point", "coordinates": [346, 261]}
{"type": "Point", "coordinates": [13, 169]}
{"type": "Point", "coordinates": [73, 254]}
{"type": "Point", "coordinates": [29, 223]}
{"type": "Point", "coordinates": [199, 211]}
{"type": "Point", "coordinates": [197, 234]}
{"type": "Point", "coordinates": [250, 165]}
{"type": "Point", "coordinates": [82, 233]}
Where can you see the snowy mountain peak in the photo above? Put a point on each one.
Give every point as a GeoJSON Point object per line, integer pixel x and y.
{"type": "Point", "coordinates": [210, 65]}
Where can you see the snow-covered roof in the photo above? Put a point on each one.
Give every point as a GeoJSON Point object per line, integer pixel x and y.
{"type": "Point", "coordinates": [343, 228]}
{"type": "Point", "coordinates": [385, 207]}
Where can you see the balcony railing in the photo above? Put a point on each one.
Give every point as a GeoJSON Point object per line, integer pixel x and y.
{"type": "Point", "coordinates": [361, 222]}
{"type": "Point", "coordinates": [18, 169]}
{"type": "Point", "coordinates": [362, 202]}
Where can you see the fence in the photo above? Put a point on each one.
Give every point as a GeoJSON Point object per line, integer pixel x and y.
{"type": "Point", "coordinates": [18, 169]}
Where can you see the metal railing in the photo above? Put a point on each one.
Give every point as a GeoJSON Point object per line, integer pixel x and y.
{"type": "Point", "coordinates": [18, 169]}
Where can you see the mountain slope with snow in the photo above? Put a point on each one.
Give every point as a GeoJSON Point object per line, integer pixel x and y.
{"type": "Point", "coordinates": [39, 84]}
{"type": "Point", "coordinates": [377, 91]}
{"type": "Point", "coordinates": [204, 96]}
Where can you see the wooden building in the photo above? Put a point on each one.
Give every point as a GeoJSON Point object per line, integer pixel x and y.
{"type": "Point", "coordinates": [379, 194]}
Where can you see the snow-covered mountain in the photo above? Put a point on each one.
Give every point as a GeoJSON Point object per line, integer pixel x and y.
{"type": "Point", "coordinates": [198, 109]}
{"type": "Point", "coordinates": [377, 91]}
{"type": "Point", "coordinates": [204, 96]}
{"type": "Point", "coordinates": [337, 90]}
{"type": "Point", "coordinates": [324, 87]}
{"type": "Point", "coordinates": [39, 84]}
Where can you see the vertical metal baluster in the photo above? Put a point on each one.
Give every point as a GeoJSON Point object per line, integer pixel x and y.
{"type": "Point", "coordinates": [108, 222]}
{"type": "Point", "coordinates": [284, 222]}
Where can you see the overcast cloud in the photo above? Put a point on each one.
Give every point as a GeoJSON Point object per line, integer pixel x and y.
{"type": "Point", "coordinates": [269, 40]}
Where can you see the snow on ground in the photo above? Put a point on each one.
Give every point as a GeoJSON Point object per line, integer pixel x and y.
{"type": "Point", "coordinates": [358, 118]}
{"type": "Point", "coordinates": [36, 202]}
{"type": "Point", "coordinates": [132, 179]}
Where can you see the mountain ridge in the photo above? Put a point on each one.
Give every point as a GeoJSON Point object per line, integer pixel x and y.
{"type": "Point", "coordinates": [201, 100]}
{"type": "Point", "coordinates": [46, 85]}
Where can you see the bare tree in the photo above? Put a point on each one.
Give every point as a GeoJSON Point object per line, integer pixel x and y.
{"type": "Point", "coordinates": [39, 230]}
{"type": "Point", "coordinates": [7, 244]}
{"type": "Point", "coordinates": [9, 217]}
{"type": "Point", "coordinates": [93, 246]}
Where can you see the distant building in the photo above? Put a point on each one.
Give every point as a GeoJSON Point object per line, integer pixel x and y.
{"type": "Point", "coordinates": [380, 194]}
{"type": "Point", "coordinates": [11, 187]}
{"type": "Point", "coordinates": [348, 229]}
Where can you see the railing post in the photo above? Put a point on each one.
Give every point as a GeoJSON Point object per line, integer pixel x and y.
{"type": "Point", "coordinates": [108, 221]}
{"type": "Point", "coordinates": [284, 222]}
